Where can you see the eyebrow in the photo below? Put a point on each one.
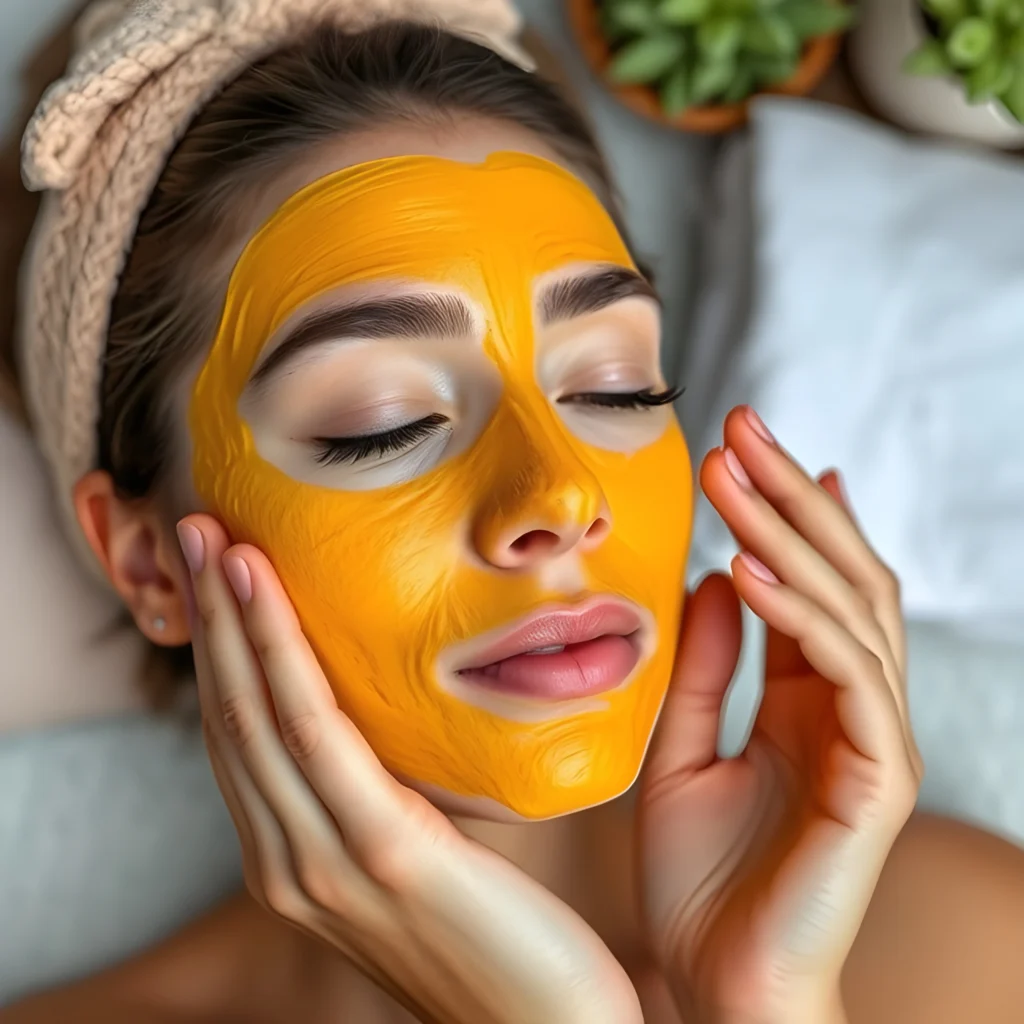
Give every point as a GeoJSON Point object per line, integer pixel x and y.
{"type": "Point", "coordinates": [404, 316]}
{"type": "Point", "coordinates": [590, 293]}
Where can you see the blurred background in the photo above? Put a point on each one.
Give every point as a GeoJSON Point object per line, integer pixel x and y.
{"type": "Point", "coordinates": [832, 202]}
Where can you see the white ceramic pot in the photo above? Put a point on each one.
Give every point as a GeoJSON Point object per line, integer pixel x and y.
{"type": "Point", "coordinates": [887, 32]}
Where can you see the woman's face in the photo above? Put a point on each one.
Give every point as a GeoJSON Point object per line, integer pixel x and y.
{"type": "Point", "coordinates": [426, 403]}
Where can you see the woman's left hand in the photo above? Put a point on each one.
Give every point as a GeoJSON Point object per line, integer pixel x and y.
{"type": "Point", "coordinates": [757, 871]}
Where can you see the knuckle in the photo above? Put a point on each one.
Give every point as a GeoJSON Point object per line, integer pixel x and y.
{"type": "Point", "coordinates": [281, 898]}
{"type": "Point", "coordinates": [239, 719]}
{"type": "Point", "coordinates": [322, 887]}
{"type": "Point", "coordinates": [301, 736]}
{"type": "Point", "coordinates": [886, 584]}
{"type": "Point", "coordinates": [271, 644]}
{"type": "Point", "coordinates": [861, 609]}
{"type": "Point", "coordinates": [870, 667]}
{"type": "Point", "coordinates": [209, 736]}
{"type": "Point", "coordinates": [209, 615]}
{"type": "Point", "coordinates": [904, 793]}
{"type": "Point", "coordinates": [253, 880]}
{"type": "Point", "coordinates": [391, 866]}
{"type": "Point", "coordinates": [398, 863]}
{"type": "Point", "coordinates": [266, 646]}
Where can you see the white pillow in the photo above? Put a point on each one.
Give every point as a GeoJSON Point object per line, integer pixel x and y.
{"type": "Point", "coordinates": [885, 337]}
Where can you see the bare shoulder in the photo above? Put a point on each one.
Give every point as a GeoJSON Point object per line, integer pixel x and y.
{"type": "Point", "coordinates": [943, 941]}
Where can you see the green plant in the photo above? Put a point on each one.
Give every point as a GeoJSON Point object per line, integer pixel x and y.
{"type": "Point", "coordinates": [697, 52]}
{"type": "Point", "coordinates": [981, 42]}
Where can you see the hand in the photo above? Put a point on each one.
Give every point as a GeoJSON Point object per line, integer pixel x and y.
{"type": "Point", "coordinates": [757, 870]}
{"type": "Point", "coordinates": [337, 847]}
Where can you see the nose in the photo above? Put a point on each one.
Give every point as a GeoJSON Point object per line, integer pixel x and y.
{"type": "Point", "coordinates": [550, 505]}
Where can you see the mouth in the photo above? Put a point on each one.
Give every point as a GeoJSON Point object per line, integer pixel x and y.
{"type": "Point", "coordinates": [559, 654]}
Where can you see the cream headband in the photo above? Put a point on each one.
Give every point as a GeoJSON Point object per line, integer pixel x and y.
{"type": "Point", "coordinates": [97, 145]}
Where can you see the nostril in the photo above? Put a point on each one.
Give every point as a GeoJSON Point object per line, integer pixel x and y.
{"type": "Point", "coordinates": [599, 529]}
{"type": "Point", "coordinates": [535, 542]}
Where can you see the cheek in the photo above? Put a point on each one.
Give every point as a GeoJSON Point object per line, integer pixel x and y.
{"type": "Point", "coordinates": [650, 495]}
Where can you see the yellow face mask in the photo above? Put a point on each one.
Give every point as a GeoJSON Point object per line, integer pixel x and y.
{"type": "Point", "coordinates": [533, 496]}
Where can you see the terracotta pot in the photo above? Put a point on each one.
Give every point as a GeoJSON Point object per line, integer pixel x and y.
{"type": "Point", "coordinates": [818, 57]}
{"type": "Point", "coordinates": [888, 31]}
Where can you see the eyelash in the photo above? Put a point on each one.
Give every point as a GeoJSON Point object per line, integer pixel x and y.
{"type": "Point", "coordinates": [646, 399]}
{"type": "Point", "coordinates": [338, 451]}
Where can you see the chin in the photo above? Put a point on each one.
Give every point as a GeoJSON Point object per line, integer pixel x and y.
{"type": "Point", "coordinates": [547, 803]}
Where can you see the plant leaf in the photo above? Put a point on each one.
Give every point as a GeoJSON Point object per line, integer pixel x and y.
{"type": "Point", "coordinates": [738, 8]}
{"type": "Point", "coordinates": [971, 42]}
{"type": "Point", "coordinates": [812, 18]}
{"type": "Point", "coordinates": [948, 11]}
{"type": "Point", "coordinates": [770, 35]}
{"type": "Point", "coordinates": [645, 60]}
{"type": "Point", "coordinates": [930, 58]}
{"type": "Point", "coordinates": [741, 88]}
{"type": "Point", "coordinates": [770, 71]}
{"type": "Point", "coordinates": [683, 12]}
{"type": "Point", "coordinates": [711, 78]}
{"type": "Point", "coordinates": [633, 16]}
{"type": "Point", "coordinates": [720, 37]}
{"type": "Point", "coordinates": [1013, 97]}
{"type": "Point", "coordinates": [675, 93]}
{"type": "Point", "coordinates": [1014, 13]}
{"type": "Point", "coordinates": [989, 79]}
{"type": "Point", "coordinates": [992, 8]}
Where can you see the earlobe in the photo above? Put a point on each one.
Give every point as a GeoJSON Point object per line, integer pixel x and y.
{"type": "Point", "coordinates": [137, 550]}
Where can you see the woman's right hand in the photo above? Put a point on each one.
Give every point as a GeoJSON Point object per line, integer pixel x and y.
{"type": "Point", "coordinates": [333, 844]}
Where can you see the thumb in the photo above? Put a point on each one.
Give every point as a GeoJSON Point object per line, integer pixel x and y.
{"type": "Point", "coordinates": [686, 739]}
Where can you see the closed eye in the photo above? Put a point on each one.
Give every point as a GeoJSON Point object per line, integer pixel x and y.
{"type": "Point", "coordinates": [337, 451]}
{"type": "Point", "coordinates": [645, 399]}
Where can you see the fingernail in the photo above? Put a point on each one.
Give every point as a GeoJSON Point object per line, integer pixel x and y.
{"type": "Point", "coordinates": [237, 572]}
{"type": "Point", "coordinates": [843, 492]}
{"type": "Point", "coordinates": [736, 470]}
{"type": "Point", "coordinates": [758, 568]}
{"type": "Point", "coordinates": [192, 547]}
{"type": "Point", "coordinates": [757, 425]}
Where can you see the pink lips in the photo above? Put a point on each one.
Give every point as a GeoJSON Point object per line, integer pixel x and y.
{"type": "Point", "coordinates": [561, 654]}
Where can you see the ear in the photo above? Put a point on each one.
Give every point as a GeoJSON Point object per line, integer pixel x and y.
{"type": "Point", "coordinates": [139, 551]}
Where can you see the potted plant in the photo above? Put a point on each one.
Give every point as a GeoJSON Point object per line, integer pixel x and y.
{"type": "Point", "coordinates": [947, 67]}
{"type": "Point", "coordinates": [695, 64]}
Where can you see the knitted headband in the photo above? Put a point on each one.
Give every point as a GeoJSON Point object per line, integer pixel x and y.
{"type": "Point", "coordinates": [97, 145]}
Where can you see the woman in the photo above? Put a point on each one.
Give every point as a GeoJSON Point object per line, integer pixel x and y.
{"type": "Point", "coordinates": [776, 887]}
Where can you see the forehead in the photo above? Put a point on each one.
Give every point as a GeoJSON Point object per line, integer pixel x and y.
{"type": "Point", "coordinates": [429, 218]}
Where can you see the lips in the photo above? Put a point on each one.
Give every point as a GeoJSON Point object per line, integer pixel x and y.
{"type": "Point", "coordinates": [560, 654]}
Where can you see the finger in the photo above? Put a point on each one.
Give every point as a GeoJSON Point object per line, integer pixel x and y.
{"type": "Point", "coordinates": [762, 530]}
{"type": "Point", "coordinates": [783, 656]}
{"type": "Point", "coordinates": [829, 480]}
{"type": "Point", "coordinates": [332, 754]}
{"type": "Point", "coordinates": [865, 704]}
{"type": "Point", "coordinates": [266, 861]}
{"type": "Point", "coordinates": [686, 739]}
{"type": "Point", "coordinates": [827, 525]}
{"type": "Point", "coordinates": [832, 482]}
{"type": "Point", "coordinates": [236, 706]}
{"type": "Point", "coordinates": [252, 859]}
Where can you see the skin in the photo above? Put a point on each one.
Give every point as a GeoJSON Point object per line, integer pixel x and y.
{"type": "Point", "coordinates": [897, 898]}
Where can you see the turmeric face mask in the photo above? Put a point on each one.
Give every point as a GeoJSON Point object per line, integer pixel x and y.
{"type": "Point", "coordinates": [434, 400]}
